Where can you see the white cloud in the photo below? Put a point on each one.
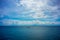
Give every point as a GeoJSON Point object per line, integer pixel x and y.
{"type": "Point", "coordinates": [33, 9]}
{"type": "Point", "coordinates": [39, 6]}
{"type": "Point", "coordinates": [33, 22]}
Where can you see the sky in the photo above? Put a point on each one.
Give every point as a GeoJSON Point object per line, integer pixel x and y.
{"type": "Point", "coordinates": [29, 12]}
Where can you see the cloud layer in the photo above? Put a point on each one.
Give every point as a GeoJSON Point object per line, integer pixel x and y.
{"type": "Point", "coordinates": [41, 9]}
{"type": "Point", "coordinates": [45, 11]}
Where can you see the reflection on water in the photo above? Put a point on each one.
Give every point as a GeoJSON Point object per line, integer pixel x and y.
{"type": "Point", "coordinates": [29, 33]}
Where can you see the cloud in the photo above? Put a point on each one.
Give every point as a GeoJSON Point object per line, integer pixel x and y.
{"type": "Point", "coordinates": [31, 9]}
{"type": "Point", "coordinates": [21, 22]}
{"type": "Point", "coordinates": [40, 7]}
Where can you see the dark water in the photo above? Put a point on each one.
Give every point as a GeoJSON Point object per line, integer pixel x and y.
{"type": "Point", "coordinates": [29, 32]}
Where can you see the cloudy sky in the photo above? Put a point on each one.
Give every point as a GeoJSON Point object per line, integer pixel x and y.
{"type": "Point", "coordinates": [31, 12]}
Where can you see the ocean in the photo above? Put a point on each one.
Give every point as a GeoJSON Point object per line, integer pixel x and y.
{"type": "Point", "coordinates": [29, 32]}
